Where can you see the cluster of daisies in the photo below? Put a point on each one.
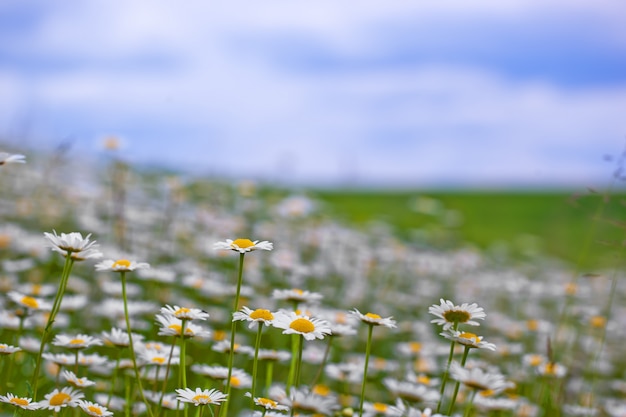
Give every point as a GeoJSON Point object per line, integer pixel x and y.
{"type": "Point", "coordinates": [333, 321]}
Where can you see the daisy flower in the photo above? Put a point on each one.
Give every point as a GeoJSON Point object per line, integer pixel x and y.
{"type": "Point", "coordinates": [183, 313]}
{"type": "Point", "coordinates": [21, 402]}
{"type": "Point", "coordinates": [74, 244]}
{"type": "Point", "coordinates": [56, 400]}
{"type": "Point", "coordinates": [154, 357]}
{"type": "Point", "coordinates": [7, 158]}
{"type": "Point", "coordinates": [306, 402]}
{"type": "Point", "coordinates": [28, 301]}
{"type": "Point", "coordinates": [119, 338]}
{"type": "Point", "coordinates": [478, 379]}
{"type": "Point", "coordinates": [410, 391]}
{"type": "Point", "coordinates": [80, 341]}
{"type": "Point", "coordinates": [121, 265]}
{"type": "Point", "coordinates": [224, 346]}
{"type": "Point", "coordinates": [274, 355]}
{"type": "Point", "coordinates": [374, 319]}
{"type": "Point", "coordinates": [200, 396]}
{"type": "Point", "coordinates": [309, 328]}
{"type": "Point", "coordinates": [215, 372]}
{"type": "Point", "coordinates": [8, 349]}
{"type": "Point", "coordinates": [451, 315]}
{"type": "Point", "coordinates": [373, 409]}
{"type": "Point", "coordinates": [171, 326]}
{"type": "Point", "coordinates": [243, 245]}
{"type": "Point", "coordinates": [267, 403]}
{"type": "Point", "coordinates": [254, 316]}
{"type": "Point", "coordinates": [297, 295]}
{"type": "Point", "coordinates": [94, 409]}
{"type": "Point", "coordinates": [73, 380]}
{"type": "Point", "coordinates": [551, 369]}
{"type": "Point", "coordinates": [467, 339]}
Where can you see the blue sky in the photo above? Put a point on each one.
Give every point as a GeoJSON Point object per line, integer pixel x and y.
{"type": "Point", "coordinates": [486, 93]}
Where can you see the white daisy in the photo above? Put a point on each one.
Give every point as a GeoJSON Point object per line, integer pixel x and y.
{"type": "Point", "coordinates": [121, 265]}
{"type": "Point", "coordinates": [382, 409]}
{"type": "Point", "coordinates": [119, 338]}
{"type": "Point", "coordinates": [171, 326]}
{"type": "Point", "coordinates": [200, 396]}
{"type": "Point", "coordinates": [21, 402]}
{"type": "Point", "coordinates": [56, 400]}
{"type": "Point", "coordinates": [28, 301]}
{"type": "Point", "coordinates": [410, 391]}
{"type": "Point", "coordinates": [451, 315]}
{"type": "Point", "coordinates": [243, 245]}
{"type": "Point", "coordinates": [374, 319]}
{"type": "Point", "coordinates": [8, 349]}
{"type": "Point", "coordinates": [551, 369]}
{"type": "Point", "coordinates": [73, 380]}
{"type": "Point", "coordinates": [80, 341]}
{"type": "Point", "coordinates": [467, 339]}
{"type": "Point", "coordinates": [94, 409]}
{"type": "Point", "coordinates": [73, 243]}
{"type": "Point", "coordinates": [297, 295]}
{"type": "Point", "coordinates": [155, 357]}
{"type": "Point", "coordinates": [477, 379]}
{"type": "Point", "coordinates": [254, 316]}
{"type": "Point", "coordinates": [267, 403]}
{"type": "Point", "coordinates": [309, 328]}
{"type": "Point", "coordinates": [183, 313]}
{"type": "Point", "coordinates": [7, 158]}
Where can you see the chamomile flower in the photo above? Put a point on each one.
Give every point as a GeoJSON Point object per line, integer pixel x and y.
{"type": "Point", "coordinates": [183, 313]}
{"type": "Point", "coordinates": [94, 409]}
{"type": "Point", "coordinates": [118, 337]}
{"type": "Point", "coordinates": [29, 302]}
{"type": "Point", "coordinates": [297, 295]}
{"type": "Point", "coordinates": [67, 397]}
{"type": "Point", "coordinates": [268, 404]}
{"type": "Point", "coordinates": [200, 396]}
{"type": "Point", "coordinates": [254, 316]}
{"type": "Point", "coordinates": [243, 245]}
{"type": "Point", "coordinates": [477, 379]}
{"type": "Point", "coordinates": [21, 402]}
{"type": "Point", "coordinates": [171, 326]}
{"type": "Point", "coordinates": [7, 158]}
{"type": "Point", "coordinates": [154, 357]}
{"type": "Point", "coordinates": [73, 380]}
{"type": "Point", "coordinates": [309, 328]}
{"type": "Point", "coordinates": [74, 244]}
{"type": "Point", "coordinates": [374, 319]}
{"type": "Point", "coordinates": [80, 341]}
{"type": "Point", "coordinates": [410, 391]}
{"type": "Point", "coordinates": [382, 409]}
{"type": "Point", "coordinates": [451, 315]}
{"type": "Point", "coordinates": [467, 339]}
{"type": "Point", "coordinates": [551, 369]}
{"type": "Point", "coordinates": [8, 349]}
{"type": "Point", "coordinates": [121, 265]}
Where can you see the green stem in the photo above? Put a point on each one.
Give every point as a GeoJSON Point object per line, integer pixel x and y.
{"type": "Point", "coordinates": [368, 348]}
{"type": "Point", "coordinates": [130, 343]}
{"type": "Point", "coordinates": [183, 371]}
{"type": "Point", "coordinates": [114, 377]}
{"type": "Point", "coordinates": [299, 364]}
{"type": "Point", "coordinates": [324, 360]}
{"type": "Point", "coordinates": [67, 267]}
{"type": "Point", "coordinates": [167, 375]}
{"type": "Point", "coordinates": [292, 366]}
{"type": "Point", "coordinates": [233, 330]}
{"type": "Point", "coordinates": [468, 407]}
{"type": "Point", "coordinates": [458, 384]}
{"type": "Point", "coordinates": [255, 363]}
{"type": "Point", "coordinates": [444, 379]}
{"type": "Point", "coordinates": [269, 374]}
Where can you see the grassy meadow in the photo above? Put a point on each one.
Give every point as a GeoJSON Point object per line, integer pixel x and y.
{"type": "Point", "coordinates": [135, 293]}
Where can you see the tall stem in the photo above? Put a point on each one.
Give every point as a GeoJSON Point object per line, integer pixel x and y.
{"type": "Point", "coordinates": [368, 348]}
{"type": "Point", "coordinates": [183, 371]}
{"type": "Point", "coordinates": [67, 268]}
{"type": "Point", "coordinates": [233, 330]}
{"type": "Point", "coordinates": [446, 371]}
{"type": "Point", "coordinates": [257, 345]}
{"type": "Point", "coordinates": [324, 360]}
{"type": "Point", "coordinates": [130, 342]}
{"type": "Point", "coordinates": [458, 384]}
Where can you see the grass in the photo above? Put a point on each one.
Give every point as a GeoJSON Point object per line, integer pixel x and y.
{"type": "Point", "coordinates": [583, 230]}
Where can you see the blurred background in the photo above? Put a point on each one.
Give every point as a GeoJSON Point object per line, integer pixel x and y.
{"type": "Point", "coordinates": [501, 110]}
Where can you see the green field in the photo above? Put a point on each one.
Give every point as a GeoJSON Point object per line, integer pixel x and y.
{"type": "Point", "coordinates": [583, 230]}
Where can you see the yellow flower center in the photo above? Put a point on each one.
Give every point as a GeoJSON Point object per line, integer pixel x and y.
{"type": "Point", "coordinates": [415, 347]}
{"type": "Point", "coordinates": [535, 360]}
{"type": "Point", "coordinates": [158, 359]}
{"type": "Point", "coordinates": [154, 345]}
{"type": "Point", "coordinates": [379, 363]}
{"type": "Point", "coordinates": [3, 346]}
{"type": "Point", "coordinates": [30, 302]}
{"type": "Point", "coordinates": [19, 401]}
{"type": "Point", "coordinates": [298, 291]}
{"type": "Point", "coordinates": [456, 316]}
{"type": "Point", "coordinates": [532, 325]}
{"type": "Point", "coordinates": [219, 335]}
{"type": "Point", "coordinates": [373, 316]}
{"type": "Point", "coordinates": [243, 243]}
{"type": "Point", "coordinates": [121, 262]}
{"type": "Point", "coordinates": [182, 310]}
{"type": "Point", "coordinates": [176, 327]}
{"type": "Point", "coordinates": [234, 381]}
{"type": "Point", "coordinates": [598, 322]}
{"type": "Point", "coordinates": [487, 393]}
{"type": "Point", "coordinates": [77, 341]}
{"type": "Point", "coordinates": [60, 399]}
{"type": "Point", "coordinates": [470, 336]}
{"type": "Point", "coordinates": [265, 402]}
{"type": "Point", "coordinates": [201, 398]}
{"type": "Point", "coordinates": [261, 314]}
{"type": "Point", "coordinates": [551, 368]}
{"type": "Point", "coordinates": [380, 407]}
{"type": "Point", "coordinates": [36, 289]}
{"type": "Point", "coordinates": [571, 288]}
{"type": "Point", "coordinates": [302, 325]}
{"type": "Point", "coordinates": [423, 379]}
{"type": "Point", "coordinates": [95, 410]}
{"type": "Point", "coordinates": [322, 390]}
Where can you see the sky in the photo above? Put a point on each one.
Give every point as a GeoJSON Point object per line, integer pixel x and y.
{"type": "Point", "coordinates": [447, 93]}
